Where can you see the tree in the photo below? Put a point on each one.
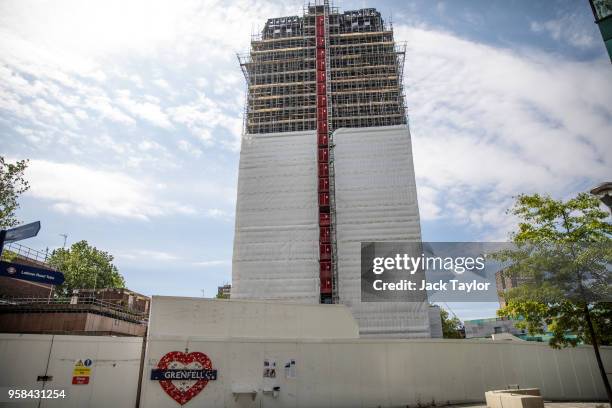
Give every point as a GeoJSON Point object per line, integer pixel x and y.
{"type": "Point", "coordinates": [562, 253]}
{"type": "Point", "coordinates": [450, 327]}
{"type": "Point", "coordinates": [85, 267]}
{"type": "Point", "coordinates": [12, 185]}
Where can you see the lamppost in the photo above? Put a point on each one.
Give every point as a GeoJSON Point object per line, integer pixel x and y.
{"type": "Point", "coordinates": [604, 193]}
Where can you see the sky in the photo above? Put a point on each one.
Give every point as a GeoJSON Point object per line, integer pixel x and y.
{"type": "Point", "coordinates": [131, 115]}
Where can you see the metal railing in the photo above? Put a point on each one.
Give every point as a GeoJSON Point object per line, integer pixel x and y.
{"type": "Point", "coordinates": [27, 252]}
{"type": "Point", "coordinates": [72, 304]}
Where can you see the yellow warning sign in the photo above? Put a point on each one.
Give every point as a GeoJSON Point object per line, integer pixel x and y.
{"type": "Point", "coordinates": [81, 371]}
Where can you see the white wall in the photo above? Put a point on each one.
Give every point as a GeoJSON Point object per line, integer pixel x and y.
{"type": "Point", "coordinates": [345, 372]}
{"type": "Point", "coordinates": [211, 318]}
{"type": "Point", "coordinates": [114, 375]}
{"type": "Point", "coordinates": [373, 373]}
{"type": "Point", "coordinates": [349, 372]}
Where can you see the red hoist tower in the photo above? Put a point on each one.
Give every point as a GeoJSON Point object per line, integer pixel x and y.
{"type": "Point", "coordinates": [327, 219]}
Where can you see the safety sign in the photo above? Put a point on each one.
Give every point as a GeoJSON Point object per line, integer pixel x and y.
{"type": "Point", "coordinates": [81, 371]}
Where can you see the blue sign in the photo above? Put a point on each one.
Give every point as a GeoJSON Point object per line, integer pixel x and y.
{"type": "Point", "coordinates": [31, 273]}
{"type": "Point", "coordinates": [22, 232]}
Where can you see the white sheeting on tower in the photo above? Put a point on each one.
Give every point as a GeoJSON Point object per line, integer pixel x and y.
{"type": "Point", "coordinates": [277, 234]}
{"type": "Point", "coordinates": [376, 201]}
{"type": "Point", "coordinates": [276, 238]}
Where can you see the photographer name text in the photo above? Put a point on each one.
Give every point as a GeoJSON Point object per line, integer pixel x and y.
{"type": "Point", "coordinates": [452, 285]}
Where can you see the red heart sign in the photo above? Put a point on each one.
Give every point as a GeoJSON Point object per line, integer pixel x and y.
{"type": "Point", "coordinates": [182, 391]}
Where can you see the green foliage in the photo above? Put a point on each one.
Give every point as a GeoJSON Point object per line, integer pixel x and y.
{"type": "Point", "coordinates": [544, 219]}
{"type": "Point", "coordinates": [85, 267]}
{"type": "Point", "coordinates": [8, 256]}
{"type": "Point", "coordinates": [12, 184]}
{"type": "Point", "coordinates": [562, 252]}
{"type": "Point", "coordinates": [561, 319]}
{"type": "Point", "coordinates": [450, 327]}
{"type": "Point", "coordinates": [222, 296]}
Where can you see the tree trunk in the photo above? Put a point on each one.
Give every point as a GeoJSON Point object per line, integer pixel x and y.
{"type": "Point", "coordinates": [602, 370]}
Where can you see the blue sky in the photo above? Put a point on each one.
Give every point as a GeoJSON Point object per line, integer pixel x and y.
{"type": "Point", "coordinates": [131, 115]}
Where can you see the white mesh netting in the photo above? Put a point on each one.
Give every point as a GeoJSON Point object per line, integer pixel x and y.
{"type": "Point", "coordinates": [276, 241]}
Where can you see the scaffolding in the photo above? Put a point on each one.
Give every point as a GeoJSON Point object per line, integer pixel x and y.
{"type": "Point", "coordinates": [323, 71]}
{"type": "Point", "coordinates": [328, 265]}
{"type": "Point", "coordinates": [364, 80]}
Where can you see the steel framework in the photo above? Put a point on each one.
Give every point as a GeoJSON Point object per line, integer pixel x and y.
{"type": "Point", "coordinates": [323, 71]}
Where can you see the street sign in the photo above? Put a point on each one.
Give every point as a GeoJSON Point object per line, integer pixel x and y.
{"type": "Point", "coordinates": [31, 273]}
{"type": "Point", "coordinates": [22, 232]}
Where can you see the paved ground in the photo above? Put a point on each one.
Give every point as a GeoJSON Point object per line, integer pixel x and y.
{"type": "Point", "coordinates": [552, 405]}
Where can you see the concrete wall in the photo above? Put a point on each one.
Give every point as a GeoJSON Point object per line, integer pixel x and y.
{"type": "Point", "coordinates": [114, 374]}
{"type": "Point", "coordinates": [11, 287]}
{"type": "Point", "coordinates": [198, 317]}
{"type": "Point", "coordinates": [68, 323]}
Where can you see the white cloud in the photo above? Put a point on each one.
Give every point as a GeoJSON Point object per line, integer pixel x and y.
{"type": "Point", "coordinates": [81, 114]}
{"type": "Point", "coordinates": [72, 188]}
{"type": "Point", "coordinates": [162, 83]}
{"type": "Point", "coordinates": [136, 80]}
{"type": "Point", "coordinates": [187, 147]}
{"type": "Point", "coordinates": [228, 81]}
{"type": "Point", "coordinates": [207, 264]}
{"type": "Point", "coordinates": [96, 30]}
{"type": "Point", "coordinates": [148, 111]}
{"type": "Point", "coordinates": [202, 83]}
{"type": "Point", "coordinates": [45, 108]}
{"type": "Point", "coordinates": [206, 115]}
{"type": "Point", "coordinates": [145, 255]}
{"type": "Point", "coordinates": [489, 123]}
{"type": "Point", "coordinates": [147, 145]}
{"type": "Point", "coordinates": [566, 29]}
{"type": "Point", "coordinates": [78, 74]}
{"type": "Point", "coordinates": [103, 105]}
{"type": "Point", "coordinates": [108, 142]}
{"type": "Point", "coordinates": [428, 209]}
{"type": "Point", "coordinates": [200, 117]}
{"type": "Point", "coordinates": [32, 54]}
{"type": "Point", "coordinates": [220, 214]}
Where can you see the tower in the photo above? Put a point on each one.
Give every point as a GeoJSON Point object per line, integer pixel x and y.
{"type": "Point", "coordinates": [325, 164]}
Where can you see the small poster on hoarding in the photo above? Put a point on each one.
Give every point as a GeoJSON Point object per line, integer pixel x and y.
{"type": "Point", "coordinates": [81, 372]}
